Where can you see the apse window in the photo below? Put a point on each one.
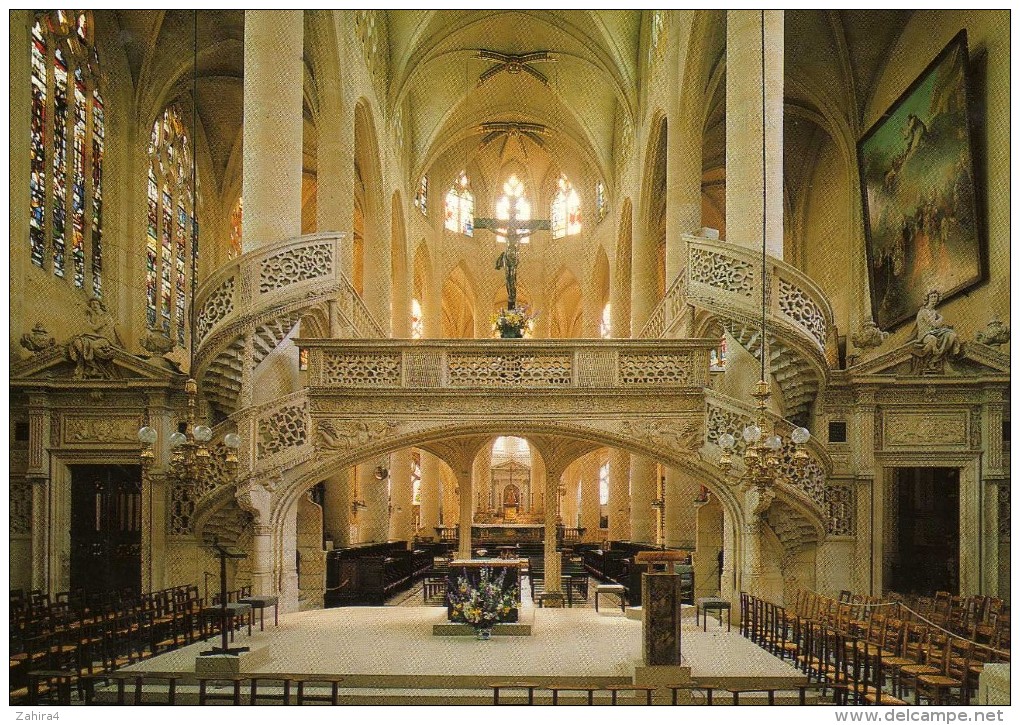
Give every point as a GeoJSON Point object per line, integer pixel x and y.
{"type": "Point", "coordinates": [601, 204]}
{"type": "Point", "coordinates": [513, 200]}
{"type": "Point", "coordinates": [416, 323]}
{"type": "Point", "coordinates": [565, 214]}
{"type": "Point", "coordinates": [421, 196]}
{"type": "Point", "coordinates": [460, 207]}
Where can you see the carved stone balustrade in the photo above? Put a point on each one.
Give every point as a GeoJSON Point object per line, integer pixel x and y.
{"type": "Point", "coordinates": [669, 315]}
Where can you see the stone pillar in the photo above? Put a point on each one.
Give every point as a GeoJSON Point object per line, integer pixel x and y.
{"type": "Point", "coordinates": [481, 477]}
{"type": "Point", "coordinates": [262, 560]}
{"type": "Point", "coordinates": [378, 274]}
{"type": "Point", "coordinates": [273, 126]}
{"type": "Point", "coordinates": [374, 519]}
{"type": "Point", "coordinates": [683, 182]}
{"type": "Point", "coordinates": [334, 147]}
{"type": "Point", "coordinates": [643, 489]}
{"type": "Point", "coordinates": [681, 512]}
{"type": "Point", "coordinates": [553, 581]}
{"type": "Point", "coordinates": [19, 172]}
{"type": "Point", "coordinates": [619, 495]}
{"type": "Point", "coordinates": [731, 554]}
{"type": "Point", "coordinates": [401, 496]}
{"type": "Point", "coordinates": [568, 501]}
{"type": "Point", "coordinates": [431, 492]}
{"type": "Point", "coordinates": [590, 497]}
{"type": "Point", "coordinates": [336, 507]}
{"type": "Point", "coordinates": [643, 293]}
{"type": "Point", "coordinates": [464, 483]}
{"type": "Point", "coordinates": [744, 118]}
{"type": "Point", "coordinates": [451, 503]}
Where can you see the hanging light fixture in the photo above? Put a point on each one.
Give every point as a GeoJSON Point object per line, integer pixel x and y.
{"type": "Point", "coordinates": [762, 444]}
{"type": "Point", "coordinates": [189, 451]}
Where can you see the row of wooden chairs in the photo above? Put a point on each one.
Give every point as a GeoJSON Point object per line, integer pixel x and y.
{"type": "Point", "coordinates": [72, 637]}
{"type": "Point", "coordinates": [885, 645]}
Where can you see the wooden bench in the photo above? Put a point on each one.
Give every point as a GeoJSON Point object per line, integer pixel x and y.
{"type": "Point", "coordinates": [557, 689]}
{"type": "Point", "coordinates": [529, 686]}
{"type": "Point", "coordinates": [649, 690]}
{"type": "Point", "coordinates": [615, 589]}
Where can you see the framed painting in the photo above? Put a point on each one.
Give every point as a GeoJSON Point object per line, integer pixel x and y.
{"type": "Point", "coordinates": [917, 184]}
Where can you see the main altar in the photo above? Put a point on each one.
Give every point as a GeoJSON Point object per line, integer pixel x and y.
{"type": "Point", "coordinates": [471, 571]}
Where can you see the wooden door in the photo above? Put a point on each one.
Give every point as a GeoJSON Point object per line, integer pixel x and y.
{"type": "Point", "coordinates": [106, 528]}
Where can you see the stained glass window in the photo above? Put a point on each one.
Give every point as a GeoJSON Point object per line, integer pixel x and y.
{"type": "Point", "coordinates": [460, 207]}
{"type": "Point", "coordinates": [601, 204]}
{"type": "Point", "coordinates": [717, 356]}
{"type": "Point", "coordinates": [604, 485]}
{"type": "Point", "coordinates": [421, 197]}
{"type": "Point", "coordinates": [416, 324]}
{"type": "Point", "coordinates": [66, 148]}
{"type": "Point", "coordinates": [513, 198]}
{"type": "Point", "coordinates": [565, 215]}
{"type": "Point", "coordinates": [171, 226]}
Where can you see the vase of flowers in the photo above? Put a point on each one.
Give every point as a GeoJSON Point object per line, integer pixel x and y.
{"type": "Point", "coordinates": [484, 603]}
{"type": "Point", "coordinates": [513, 322]}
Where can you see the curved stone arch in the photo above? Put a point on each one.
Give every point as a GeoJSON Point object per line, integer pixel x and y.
{"type": "Point", "coordinates": [633, 442]}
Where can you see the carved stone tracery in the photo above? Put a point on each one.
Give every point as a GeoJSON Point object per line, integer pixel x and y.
{"type": "Point", "coordinates": [281, 429]}
{"type": "Point", "coordinates": [217, 306]}
{"type": "Point", "coordinates": [485, 370]}
{"type": "Point", "coordinates": [797, 305]}
{"type": "Point", "coordinates": [726, 273]}
{"type": "Point", "coordinates": [361, 369]}
{"type": "Point", "coordinates": [295, 265]}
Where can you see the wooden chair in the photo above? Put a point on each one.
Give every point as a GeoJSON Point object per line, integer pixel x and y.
{"type": "Point", "coordinates": [951, 674]}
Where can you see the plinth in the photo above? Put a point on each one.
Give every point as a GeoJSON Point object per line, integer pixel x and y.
{"type": "Point", "coordinates": [660, 622]}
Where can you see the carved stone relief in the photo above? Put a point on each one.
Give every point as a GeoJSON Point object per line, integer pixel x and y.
{"type": "Point", "coordinates": [346, 435]}
{"type": "Point", "coordinates": [361, 369]}
{"type": "Point", "coordinates": [109, 429]}
{"type": "Point", "coordinates": [484, 370]}
{"type": "Point", "coordinates": [925, 428]}
{"type": "Point", "coordinates": [652, 369]}
{"type": "Point", "coordinates": [795, 304]}
{"type": "Point", "coordinates": [282, 429]}
{"type": "Point", "coordinates": [21, 508]}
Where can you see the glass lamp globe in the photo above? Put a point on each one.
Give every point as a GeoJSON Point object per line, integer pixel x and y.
{"type": "Point", "coordinates": [177, 439]}
{"type": "Point", "coordinates": [727, 441]}
{"type": "Point", "coordinates": [752, 433]}
{"type": "Point", "coordinates": [147, 434]}
{"type": "Point", "coordinates": [232, 440]}
{"type": "Point", "coordinates": [203, 433]}
{"type": "Point", "coordinates": [800, 435]}
{"type": "Point", "coordinates": [773, 443]}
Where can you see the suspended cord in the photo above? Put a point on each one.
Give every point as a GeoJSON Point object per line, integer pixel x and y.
{"type": "Point", "coordinates": [194, 193]}
{"type": "Point", "coordinates": [764, 196]}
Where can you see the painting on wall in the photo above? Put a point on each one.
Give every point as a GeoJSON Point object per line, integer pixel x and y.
{"type": "Point", "coordinates": [917, 183]}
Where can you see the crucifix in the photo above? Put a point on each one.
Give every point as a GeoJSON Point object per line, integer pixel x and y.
{"type": "Point", "coordinates": [512, 230]}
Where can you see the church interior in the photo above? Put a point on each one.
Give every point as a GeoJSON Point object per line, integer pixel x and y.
{"type": "Point", "coordinates": [542, 357]}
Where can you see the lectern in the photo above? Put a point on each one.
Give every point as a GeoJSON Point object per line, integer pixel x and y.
{"type": "Point", "coordinates": [225, 610]}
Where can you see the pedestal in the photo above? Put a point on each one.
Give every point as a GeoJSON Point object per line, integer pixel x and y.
{"type": "Point", "coordinates": [660, 623]}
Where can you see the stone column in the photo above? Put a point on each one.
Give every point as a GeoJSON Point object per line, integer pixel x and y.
{"type": "Point", "coordinates": [464, 483]}
{"type": "Point", "coordinates": [20, 171]}
{"type": "Point", "coordinates": [619, 495]}
{"type": "Point", "coordinates": [643, 489]}
{"type": "Point", "coordinates": [744, 118]}
{"type": "Point", "coordinates": [481, 477]}
{"type": "Point", "coordinates": [681, 512]}
{"type": "Point", "coordinates": [334, 182]}
{"type": "Point", "coordinates": [590, 497]}
{"type": "Point", "coordinates": [683, 181]}
{"type": "Point", "coordinates": [374, 519]}
{"type": "Point", "coordinates": [378, 274]}
{"type": "Point", "coordinates": [568, 502]}
{"type": "Point", "coordinates": [336, 508]}
{"type": "Point", "coordinates": [643, 293]}
{"type": "Point", "coordinates": [553, 580]}
{"type": "Point", "coordinates": [451, 502]}
{"type": "Point", "coordinates": [262, 560]}
{"type": "Point", "coordinates": [401, 496]}
{"type": "Point", "coordinates": [431, 492]}
{"type": "Point", "coordinates": [273, 126]}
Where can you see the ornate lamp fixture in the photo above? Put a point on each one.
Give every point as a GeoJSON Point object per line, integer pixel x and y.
{"type": "Point", "coordinates": [761, 453]}
{"type": "Point", "coordinates": [190, 456]}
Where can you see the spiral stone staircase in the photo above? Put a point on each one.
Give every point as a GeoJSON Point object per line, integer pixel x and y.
{"type": "Point", "coordinates": [250, 306]}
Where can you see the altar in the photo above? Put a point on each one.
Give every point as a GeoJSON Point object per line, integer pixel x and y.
{"type": "Point", "coordinates": [471, 570]}
{"type": "Point", "coordinates": [507, 533]}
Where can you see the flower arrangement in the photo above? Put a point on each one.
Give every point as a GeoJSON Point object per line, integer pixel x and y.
{"type": "Point", "coordinates": [512, 322]}
{"type": "Point", "coordinates": [483, 604]}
